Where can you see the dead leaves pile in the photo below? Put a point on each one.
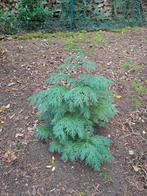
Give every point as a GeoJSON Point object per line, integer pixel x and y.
{"type": "Point", "coordinates": [135, 133]}
{"type": "Point", "coordinates": [3, 53]}
{"type": "Point", "coordinates": [3, 110]}
{"type": "Point", "coordinates": [130, 125]}
{"type": "Point", "coordinates": [139, 177]}
{"type": "Point", "coordinates": [10, 156]}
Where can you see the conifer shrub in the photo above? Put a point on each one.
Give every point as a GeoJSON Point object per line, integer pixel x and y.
{"type": "Point", "coordinates": [75, 102]}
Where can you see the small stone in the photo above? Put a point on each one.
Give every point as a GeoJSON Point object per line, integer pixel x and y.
{"type": "Point", "coordinates": [131, 152]}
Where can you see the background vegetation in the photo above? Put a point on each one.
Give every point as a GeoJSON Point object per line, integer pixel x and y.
{"type": "Point", "coordinates": [49, 16]}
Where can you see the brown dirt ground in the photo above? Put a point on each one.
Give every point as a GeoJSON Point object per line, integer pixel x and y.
{"type": "Point", "coordinates": [24, 162]}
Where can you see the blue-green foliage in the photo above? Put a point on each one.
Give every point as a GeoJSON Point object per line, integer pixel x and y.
{"type": "Point", "coordinates": [72, 105]}
{"type": "Point", "coordinates": [44, 131]}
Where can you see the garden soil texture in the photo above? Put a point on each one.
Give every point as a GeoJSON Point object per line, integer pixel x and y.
{"type": "Point", "coordinates": [27, 168]}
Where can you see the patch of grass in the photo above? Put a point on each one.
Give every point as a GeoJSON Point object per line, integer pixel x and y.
{"type": "Point", "coordinates": [99, 38]}
{"type": "Point", "coordinates": [68, 37]}
{"type": "Point", "coordinates": [3, 37]}
{"type": "Point", "coordinates": [73, 42]}
{"type": "Point", "coordinates": [128, 65]}
{"type": "Point", "coordinates": [139, 88]}
{"type": "Point", "coordinates": [106, 175]}
{"type": "Point", "coordinates": [71, 46]}
{"type": "Point", "coordinates": [122, 30]}
{"type": "Point", "coordinates": [31, 36]}
{"type": "Point", "coordinates": [40, 35]}
{"type": "Point", "coordinates": [126, 29]}
{"type": "Point", "coordinates": [91, 50]}
{"type": "Point", "coordinates": [136, 101]}
{"type": "Point", "coordinates": [82, 194]}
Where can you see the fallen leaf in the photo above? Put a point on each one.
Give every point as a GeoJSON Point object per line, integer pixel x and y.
{"type": "Point", "coordinates": [49, 166]}
{"type": "Point", "coordinates": [11, 84]}
{"type": "Point", "coordinates": [4, 108]}
{"type": "Point", "coordinates": [44, 64]}
{"type": "Point", "coordinates": [7, 106]}
{"type": "Point", "coordinates": [19, 135]}
{"type": "Point", "coordinates": [30, 128]}
{"type": "Point", "coordinates": [53, 168]}
{"type": "Point", "coordinates": [10, 156]}
{"type": "Point", "coordinates": [118, 96]}
{"type": "Point", "coordinates": [136, 168]}
{"type": "Point", "coordinates": [2, 120]}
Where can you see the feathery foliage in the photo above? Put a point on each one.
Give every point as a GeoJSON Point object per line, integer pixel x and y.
{"type": "Point", "coordinates": [71, 106]}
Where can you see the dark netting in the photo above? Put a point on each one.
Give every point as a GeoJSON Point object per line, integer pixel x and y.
{"type": "Point", "coordinates": [73, 15]}
{"type": "Point", "coordinates": [96, 14]}
{"type": "Point", "coordinates": [90, 15]}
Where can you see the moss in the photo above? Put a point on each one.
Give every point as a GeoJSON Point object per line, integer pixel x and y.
{"type": "Point", "coordinates": [96, 36]}
{"type": "Point", "coordinates": [83, 194]}
{"type": "Point", "coordinates": [128, 65]}
{"type": "Point", "coordinates": [91, 50]}
{"type": "Point", "coordinates": [71, 46]}
{"type": "Point", "coordinates": [106, 175]}
{"type": "Point", "coordinates": [74, 40]}
{"type": "Point", "coordinates": [68, 37]}
{"type": "Point", "coordinates": [126, 30]}
{"type": "Point", "coordinates": [136, 101]}
{"type": "Point", "coordinates": [40, 35]}
{"type": "Point", "coordinates": [30, 36]}
{"type": "Point", "coordinates": [99, 38]}
{"type": "Point", "coordinates": [139, 88]}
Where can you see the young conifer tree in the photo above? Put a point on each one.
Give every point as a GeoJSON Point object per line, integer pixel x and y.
{"type": "Point", "coordinates": [75, 102]}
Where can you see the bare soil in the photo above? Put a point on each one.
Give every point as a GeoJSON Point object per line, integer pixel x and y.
{"type": "Point", "coordinates": [25, 161]}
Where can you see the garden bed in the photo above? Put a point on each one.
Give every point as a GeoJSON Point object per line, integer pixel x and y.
{"type": "Point", "coordinates": [26, 61]}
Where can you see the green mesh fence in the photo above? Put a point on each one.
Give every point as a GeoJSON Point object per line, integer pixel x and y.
{"type": "Point", "coordinates": [74, 15]}
{"type": "Point", "coordinates": [92, 15]}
